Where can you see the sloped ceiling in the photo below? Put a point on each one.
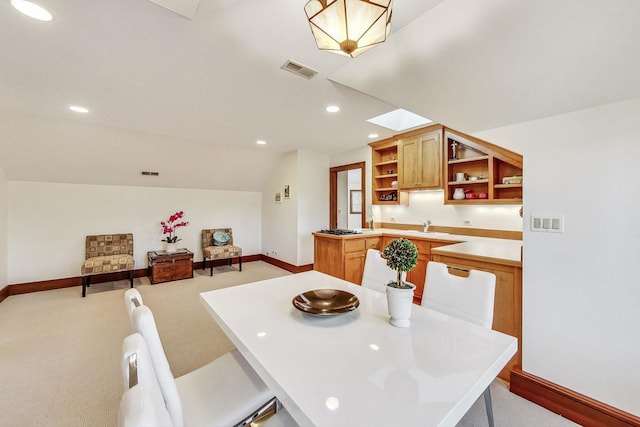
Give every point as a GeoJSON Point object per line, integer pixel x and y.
{"type": "Point", "coordinates": [171, 94]}
{"type": "Point", "coordinates": [477, 65]}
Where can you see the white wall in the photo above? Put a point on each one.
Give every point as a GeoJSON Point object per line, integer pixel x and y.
{"type": "Point", "coordinates": [429, 205]}
{"type": "Point", "coordinates": [313, 204]}
{"type": "Point", "coordinates": [581, 290]}
{"type": "Point", "coordinates": [48, 222]}
{"type": "Point", "coordinates": [4, 214]}
{"type": "Point", "coordinates": [287, 226]}
{"type": "Point", "coordinates": [279, 220]}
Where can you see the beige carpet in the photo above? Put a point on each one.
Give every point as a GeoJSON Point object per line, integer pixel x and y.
{"type": "Point", "coordinates": [59, 353]}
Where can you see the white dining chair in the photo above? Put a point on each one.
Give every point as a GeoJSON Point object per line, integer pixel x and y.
{"type": "Point", "coordinates": [143, 404]}
{"type": "Point", "coordinates": [469, 298]}
{"type": "Point", "coordinates": [132, 299]}
{"type": "Point", "coordinates": [220, 393]}
{"type": "Point", "coordinates": [377, 273]}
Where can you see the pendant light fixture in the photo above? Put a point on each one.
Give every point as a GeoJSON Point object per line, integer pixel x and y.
{"type": "Point", "coordinates": [349, 27]}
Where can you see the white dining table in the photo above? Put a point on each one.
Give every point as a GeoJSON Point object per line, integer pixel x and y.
{"type": "Point", "coordinates": [356, 369]}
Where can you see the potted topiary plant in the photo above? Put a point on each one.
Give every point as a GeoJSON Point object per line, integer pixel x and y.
{"type": "Point", "coordinates": [401, 255]}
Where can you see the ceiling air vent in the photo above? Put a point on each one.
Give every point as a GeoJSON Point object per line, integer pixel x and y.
{"type": "Point", "coordinates": [299, 69]}
{"type": "Point", "coordinates": [150, 173]}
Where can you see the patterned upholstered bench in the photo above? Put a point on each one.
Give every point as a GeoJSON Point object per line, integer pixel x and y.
{"type": "Point", "coordinates": [107, 253]}
{"type": "Point", "coordinates": [217, 243]}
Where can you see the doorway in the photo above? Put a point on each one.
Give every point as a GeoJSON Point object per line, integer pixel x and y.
{"type": "Point", "coordinates": [347, 196]}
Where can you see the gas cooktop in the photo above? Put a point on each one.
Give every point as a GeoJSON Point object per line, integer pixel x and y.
{"type": "Point", "coordinates": [339, 232]}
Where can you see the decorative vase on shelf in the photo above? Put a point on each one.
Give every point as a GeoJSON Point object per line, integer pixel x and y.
{"type": "Point", "coordinates": [400, 302]}
{"type": "Point", "coordinates": [171, 247]}
{"type": "Point", "coordinates": [458, 194]}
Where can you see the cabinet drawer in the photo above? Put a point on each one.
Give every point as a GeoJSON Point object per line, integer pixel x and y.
{"type": "Point", "coordinates": [373, 243]}
{"type": "Point", "coordinates": [354, 245]}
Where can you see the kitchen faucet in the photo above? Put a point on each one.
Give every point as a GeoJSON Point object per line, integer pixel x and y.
{"type": "Point", "coordinates": [426, 225]}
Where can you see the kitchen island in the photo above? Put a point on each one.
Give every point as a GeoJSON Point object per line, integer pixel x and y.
{"type": "Point", "coordinates": [343, 256]}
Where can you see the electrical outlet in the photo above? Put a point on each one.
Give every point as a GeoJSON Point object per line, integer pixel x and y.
{"type": "Point", "coordinates": [547, 223]}
{"type": "Point", "coordinates": [466, 222]}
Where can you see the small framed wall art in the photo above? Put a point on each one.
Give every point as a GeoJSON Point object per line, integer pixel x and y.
{"type": "Point", "coordinates": [355, 201]}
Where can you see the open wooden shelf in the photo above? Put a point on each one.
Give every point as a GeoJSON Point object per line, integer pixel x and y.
{"type": "Point", "coordinates": [385, 171]}
{"type": "Point", "coordinates": [475, 157]}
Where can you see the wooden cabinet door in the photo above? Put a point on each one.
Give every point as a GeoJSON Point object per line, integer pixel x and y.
{"type": "Point", "coordinates": [327, 256]}
{"type": "Point", "coordinates": [417, 275]}
{"type": "Point", "coordinates": [354, 267]}
{"type": "Point", "coordinates": [421, 161]}
{"type": "Point", "coordinates": [431, 160]}
{"type": "Point", "coordinates": [409, 173]}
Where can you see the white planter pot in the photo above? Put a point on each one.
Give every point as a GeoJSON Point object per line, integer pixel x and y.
{"type": "Point", "coordinates": [399, 303]}
{"type": "Point", "coordinates": [171, 247]}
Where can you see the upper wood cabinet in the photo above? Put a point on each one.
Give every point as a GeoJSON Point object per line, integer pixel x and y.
{"type": "Point", "coordinates": [483, 172]}
{"type": "Point", "coordinates": [384, 160]}
{"type": "Point", "coordinates": [420, 161]}
{"type": "Point", "coordinates": [470, 170]}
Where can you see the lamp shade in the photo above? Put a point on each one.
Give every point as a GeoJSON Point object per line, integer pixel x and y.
{"type": "Point", "coordinates": [349, 27]}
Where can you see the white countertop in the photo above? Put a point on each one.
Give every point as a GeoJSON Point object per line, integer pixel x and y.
{"type": "Point", "coordinates": [356, 369]}
{"type": "Point", "coordinates": [481, 248]}
{"type": "Point", "coordinates": [413, 233]}
{"type": "Point", "coordinates": [484, 249]}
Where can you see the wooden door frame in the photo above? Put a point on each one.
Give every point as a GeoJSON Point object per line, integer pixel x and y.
{"type": "Point", "coordinates": [333, 192]}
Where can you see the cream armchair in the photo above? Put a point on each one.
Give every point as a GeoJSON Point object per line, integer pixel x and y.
{"type": "Point", "coordinates": [217, 243]}
{"type": "Point", "coordinates": [107, 253]}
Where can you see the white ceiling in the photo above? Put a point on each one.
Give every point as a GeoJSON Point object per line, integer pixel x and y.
{"type": "Point", "coordinates": [163, 88]}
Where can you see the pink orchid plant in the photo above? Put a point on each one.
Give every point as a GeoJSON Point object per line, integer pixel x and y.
{"type": "Point", "coordinates": [169, 227]}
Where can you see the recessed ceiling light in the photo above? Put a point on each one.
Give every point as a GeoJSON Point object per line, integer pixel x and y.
{"type": "Point", "coordinates": [332, 109]}
{"type": "Point", "coordinates": [32, 10]}
{"type": "Point", "coordinates": [261, 142]}
{"type": "Point", "coordinates": [78, 109]}
{"type": "Point", "coordinates": [373, 135]}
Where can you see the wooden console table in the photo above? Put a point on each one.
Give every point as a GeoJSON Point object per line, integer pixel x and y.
{"type": "Point", "coordinates": [167, 266]}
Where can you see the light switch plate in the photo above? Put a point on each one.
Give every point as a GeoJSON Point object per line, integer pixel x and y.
{"type": "Point", "coordinates": [547, 223]}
